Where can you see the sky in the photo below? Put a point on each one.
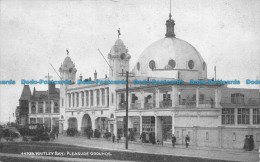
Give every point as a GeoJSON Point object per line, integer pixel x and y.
{"type": "Point", "coordinates": [35, 33]}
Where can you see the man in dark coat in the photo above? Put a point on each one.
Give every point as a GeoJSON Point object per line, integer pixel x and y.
{"type": "Point", "coordinates": [246, 144]}
{"type": "Point", "coordinates": [187, 141]}
{"type": "Point", "coordinates": [251, 143]}
{"type": "Point", "coordinates": [173, 140]}
{"type": "Point", "coordinates": [113, 138]}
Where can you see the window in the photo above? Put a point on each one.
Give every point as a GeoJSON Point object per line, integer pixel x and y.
{"type": "Point", "coordinates": [40, 107]}
{"type": "Point", "coordinates": [82, 98]}
{"type": "Point", "coordinates": [48, 107]}
{"type": "Point", "coordinates": [243, 116]}
{"type": "Point", "coordinates": [228, 116]}
{"type": "Point", "coordinates": [69, 100]}
{"type": "Point", "coordinates": [77, 99]}
{"type": "Point", "coordinates": [98, 97]}
{"type": "Point", "coordinates": [33, 108]}
{"type": "Point", "coordinates": [73, 99]}
{"type": "Point", "coordinates": [138, 66]}
{"type": "Point", "coordinates": [103, 96]}
{"type": "Point", "coordinates": [191, 64]}
{"type": "Point", "coordinates": [237, 98]}
{"type": "Point", "coordinates": [107, 97]}
{"type": "Point", "coordinates": [172, 63]}
{"type": "Point", "coordinates": [152, 64]}
{"type": "Point", "coordinates": [112, 98]}
{"type": "Point", "coordinates": [256, 116]}
{"type": "Point", "coordinates": [56, 107]}
{"type": "Point", "coordinates": [87, 98]}
{"type": "Point", "coordinates": [204, 65]}
{"type": "Point", "coordinates": [166, 97]}
{"type": "Point", "coordinates": [91, 98]}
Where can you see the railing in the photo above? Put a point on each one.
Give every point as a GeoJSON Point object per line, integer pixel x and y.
{"type": "Point", "coordinates": [148, 106]}
{"type": "Point", "coordinates": [166, 104]}
{"type": "Point", "coordinates": [136, 105]}
{"type": "Point", "coordinates": [240, 101]}
{"type": "Point", "coordinates": [122, 106]}
{"type": "Point", "coordinates": [188, 103]}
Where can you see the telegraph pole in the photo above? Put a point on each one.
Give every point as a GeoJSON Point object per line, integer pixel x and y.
{"type": "Point", "coordinates": [126, 112]}
{"type": "Point", "coordinates": [126, 109]}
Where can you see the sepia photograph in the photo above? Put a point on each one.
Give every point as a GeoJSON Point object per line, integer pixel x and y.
{"type": "Point", "coordinates": [129, 80]}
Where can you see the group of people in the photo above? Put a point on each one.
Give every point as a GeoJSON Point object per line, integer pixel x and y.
{"type": "Point", "coordinates": [187, 141]}
{"type": "Point", "coordinates": [249, 144]}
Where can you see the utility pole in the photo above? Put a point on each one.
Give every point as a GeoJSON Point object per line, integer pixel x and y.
{"type": "Point", "coordinates": [48, 77]}
{"type": "Point", "coordinates": [126, 109]}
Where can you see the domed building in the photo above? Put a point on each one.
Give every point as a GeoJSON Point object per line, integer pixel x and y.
{"type": "Point", "coordinates": [171, 57]}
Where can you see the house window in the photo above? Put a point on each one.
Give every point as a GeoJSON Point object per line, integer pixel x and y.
{"type": "Point", "coordinates": [228, 116]}
{"type": "Point", "coordinates": [256, 116]}
{"type": "Point", "coordinates": [237, 98]}
{"type": "Point", "coordinates": [166, 97]}
{"type": "Point", "coordinates": [243, 116]}
{"type": "Point", "coordinates": [33, 108]}
{"type": "Point", "coordinates": [40, 107]}
{"type": "Point", "coordinates": [48, 107]}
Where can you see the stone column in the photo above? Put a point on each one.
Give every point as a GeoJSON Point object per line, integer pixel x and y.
{"type": "Point", "coordinates": [220, 133]}
{"type": "Point", "coordinates": [67, 100]}
{"type": "Point", "coordinates": [217, 97]}
{"type": "Point", "coordinates": [142, 99]}
{"type": "Point", "coordinates": [80, 99]}
{"type": "Point", "coordinates": [175, 96]}
{"type": "Point", "coordinates": [157, 97]}
{"type": "Point", "coordinates": [141, 124]}
{"type": "Point", "coordinates": [173, 124]}
{"type": "Point", "coordinates": [71, 98]}
{"type": "Point", "coordinates": [250, 116]}
{"type": "Point", "coordinates": [89, 98]}
{"type": "Point", "coordinates": [197, 96]}
{"type": "Point", "coordinates": [52, 106]}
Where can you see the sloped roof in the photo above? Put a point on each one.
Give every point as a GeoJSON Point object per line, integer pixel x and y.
{"type": "Point", "coordinates": [26, 93]}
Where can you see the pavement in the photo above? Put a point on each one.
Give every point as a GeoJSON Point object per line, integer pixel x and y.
{"type": "Point", "coordinates": [166, 149]}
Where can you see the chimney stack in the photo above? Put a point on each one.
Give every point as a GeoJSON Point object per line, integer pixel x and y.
{"type": "Point", "coordinates": [95, 75]}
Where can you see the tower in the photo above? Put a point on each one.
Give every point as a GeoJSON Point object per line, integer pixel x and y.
{"type": "Point", "coordinates": [67, 72]}
{"type": "Point", "coordinates": [118, 59]}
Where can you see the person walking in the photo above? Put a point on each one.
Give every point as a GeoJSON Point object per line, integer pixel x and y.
{"type": "Point", "coordinates": [187, 141]}
{"type": "Point", "coordinates": [173, 140]}
{"type": "Point", "coordinates": [246, 143]}
{"type": "Point", "coordinates": [113, 138]}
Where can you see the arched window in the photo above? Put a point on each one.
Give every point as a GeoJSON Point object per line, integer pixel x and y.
{"type": "Point", "coordinates": [172, 63]}
{"type": "Point", "coordinates": [204, 65]}
{"type": "Point", "coordinates": [191, 64]}
{"type": "Point", "coordinates": [152, 64]}
{"type": "Point", "coordinates": [138, 66]}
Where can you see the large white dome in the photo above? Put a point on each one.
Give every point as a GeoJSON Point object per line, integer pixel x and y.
{"type": "Point", "coordinates": [171, 54]}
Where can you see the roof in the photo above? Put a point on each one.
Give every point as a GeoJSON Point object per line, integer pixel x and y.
{"type": "Point", "coordinates": [26, 93]}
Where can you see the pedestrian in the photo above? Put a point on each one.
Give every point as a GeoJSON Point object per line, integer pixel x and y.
{"type": "Point", "coordinates": [187, 141]}
{"type": "Point", "coordinates": [118, 138]}
{"type": "Point", "coordinates": [246, 143]}
{"type": "Point", "coordinates": [57, 134]}
{"type": "Point", "coordinates": [173, 140]}
{"type": "Point", "coordinates": [113, 138]}
{"type": "Point", "coordinates": [251, 143]}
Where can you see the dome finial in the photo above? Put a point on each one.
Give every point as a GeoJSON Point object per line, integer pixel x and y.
{"type": "Point", "coordinates": [118, 33]}
{"type": "Point", "coordinates": [170, 25]}
{"type": "Point", "coordinates": [67, 51]}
